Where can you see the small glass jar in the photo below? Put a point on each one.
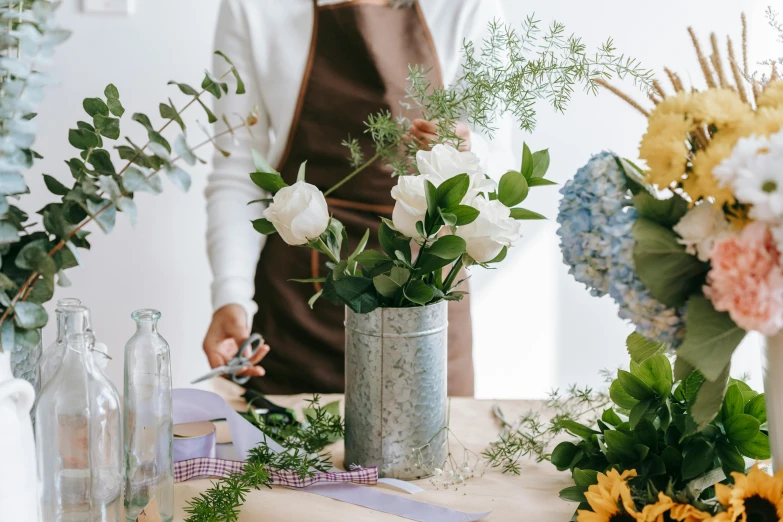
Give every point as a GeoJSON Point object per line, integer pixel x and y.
{"type": "Point", "coordinates": [79, 434]}
{"type": "Point", "coordinates": [149, 464]}
{"type": "Point", "coordinates": [53, 354]}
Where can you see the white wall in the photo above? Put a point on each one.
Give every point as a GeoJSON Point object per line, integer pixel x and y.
{"type": "Point", "coordinates": [535, 327]}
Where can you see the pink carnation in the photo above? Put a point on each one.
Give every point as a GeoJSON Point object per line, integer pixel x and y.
{"type": "Point", "coordinates": [746, 279]}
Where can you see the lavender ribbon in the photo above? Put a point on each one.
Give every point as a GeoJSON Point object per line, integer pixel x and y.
{"type": "Point", "coordinates": [195, 447]}
{"type": "Point", "coordinates": [192, 405]}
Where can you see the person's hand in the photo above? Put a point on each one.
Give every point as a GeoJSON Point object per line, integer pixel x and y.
{"type": "Point", "coordinates": [426, 133]}
{"type": "Point", "coordinates": [226, 333]}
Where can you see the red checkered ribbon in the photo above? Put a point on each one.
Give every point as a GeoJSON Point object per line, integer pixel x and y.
{"type": "Point", "coordinates": [209, 467]}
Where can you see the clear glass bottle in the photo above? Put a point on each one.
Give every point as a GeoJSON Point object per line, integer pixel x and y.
{"type": "Point", "coordinates": [149, 464]}
{"type": "Point", "coordinates": [53, 355]}
{"type": "Point", "coordinates": [79, 434]}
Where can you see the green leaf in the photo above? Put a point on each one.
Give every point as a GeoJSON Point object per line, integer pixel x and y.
{"type": "Point", "coordinates": [107, 126]}
{"type": "Point", "coordinates": [669, 273]}
{"type": "Point", "coordinates": [358, 293]}
{"type": "Point", "coordinates": [639, 411]}
{"type": "Point", "coordinates": [449, 219]}
{"type": "Point", "coordinates": [526, 169]}
{"type": "Point", "coordinates": [264, 226]}
{"type": "Point", "coordinates": [709, 399]}
{"type": "Point", "coordinates": [645, 433]}
{"type": "Point", "coordinates": [314, 298]}
{"type": "Point", "coordinates": [101, 162]}
{"type": "Point", "coordinates": [447, 247]}
{"type": "Point", "coordinates": [261, 164]}
{"type": "Point", "coordinates": [169, 112]}
{"type": "Point", "coordinates": [512, 189]}
{"type": "Point", "coordinates": [271, 182]}
{"type": "Point", "coordinates": [756, 448]}
{"type": "Point", "coordinates": [360, 246]}
{"type": "Point", "coordinates": [640, 348]}
{"type": "Point", "coordinates": [573, 494]}
{"type": "Point", "coordinates": [741, 428]}
{"type": "Point", "coordinates": [577, 429]}
{"type": "Point", "coordinates": [621, 397]}
{"type": "Point", "coordinates": [431, 194]}
{"type": "Point", "coordinates": [392, 241]}
{"type": "Point", "coordinates": [371, 258]}
{"type": "Point", "coordinates": [463, 214]}
{"type": "Point", "coordinates": [179, 178]}
{"type": "Point", "coordinates": [211, 118]}
{"type": "Point", "coordinates": [620, 442]}
{"type": "Point", "coordinates": [418, 292]}
{"type": "Point", "coordinates": [83, 139]}
{"type": "Point", "coordinates": [389, 285]}
{"type": "Point", "coordinates": [697, 458]}
{"type": "Point", "coordinates": [610, 417]}
{"type": "Point", "coordinates": [115, 107]}
{"type": "Point", "coordinates": [563, 455]}
{"type": "Point", "coordinates": [635, 387]}
{"type": "Point", "coordinates": [104, 212]}
{"type": "Point", "coordinates": [185, 88]}
{"type": "Point", "coordinates": [710, 338]}
{"type": "Point", "coordinates": [540, 165]}
{"type": "Point", "coordinates": [95, 106]}
{"type": "Point", "coordinates": [523, 213]}
{"type": "Point", "coordinates": [655, 369]}
{"type": "Point", "coordinates": [757, 407]}
{"type": "Point", "coordinates": [30, 315]}
{"type": "Point", "coordinates": [730, 458]}
{"type": "Point", "coordinates": [451, 192]}
{"type": "Point", "coordinates": [672, 459]}
{"type": "Point", "coordinates": [111, 91]}
{"type": "Point", "coordinates": [539, 182]}
{"type": "Point", "coordinates": [733, 403]}
{"type": "Point", "coordinates": [665, 212]}
{"type": "Point", "coordinates": [54, 186]}
{"type": "Point", "coordinates": [144, 120]}
{"type": "Point", "coordinates": [7, 343]}
{"type": "Point", "coordinates": [135, 180]}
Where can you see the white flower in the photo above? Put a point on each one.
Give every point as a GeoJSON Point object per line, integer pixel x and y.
{"type": "Point", "coordinates": [735, 166]}
{"type": "Point", "coordinates": [299, 213]}
{"type": "Point", "coordinates": [699, 228]}
{"type": "Point", "coordinates": [444, 162]}
{"type": "Point", "coordinates": [411, 204]}
{"type": "Point", "coordinates": [491, 231]}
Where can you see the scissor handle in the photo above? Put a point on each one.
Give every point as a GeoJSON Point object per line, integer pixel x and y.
{"type": "Point", "coordinates": [255, 342]}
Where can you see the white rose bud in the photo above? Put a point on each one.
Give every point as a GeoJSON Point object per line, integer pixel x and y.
{"type": "Point", "coordinates": [299, 213]}
{"type": "Point", "coordinates": [699, 228]}
{"type": "Point", "coordinates": [492, 230]}
{"type": "Point", "coordinates": [411, 204]}
{"type": "Point", "coordinates": [444, 162]}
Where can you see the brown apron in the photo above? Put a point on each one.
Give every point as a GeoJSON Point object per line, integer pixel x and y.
{"type": "Point", "coordinates": [357, 66]}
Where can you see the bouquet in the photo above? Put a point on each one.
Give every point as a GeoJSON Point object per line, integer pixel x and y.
{"type": "Point", "coordinates": [689, 247]}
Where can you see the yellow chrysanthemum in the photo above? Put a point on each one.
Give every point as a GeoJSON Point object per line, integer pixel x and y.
{"type": "Point", "coordinates": [720, 107]}
{"type": "Point", "coordinates": [666, 509]}
{"type": "Point", "coordinates": [755, 496]}
{"type": "Point", "coordinates": [766, 121]}
{"type": "Point", "coordinates": [664, 147]}
{"type": "Point", "coordinates": [610, 499]}
{"type": "Point", "coordinates": [772, 96]}
{"type": "Point", "coordinates": [704, 183]}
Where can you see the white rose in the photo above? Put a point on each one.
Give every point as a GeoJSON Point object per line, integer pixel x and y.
{"type": "Point", "coordinates": [699, 228]}
{"type": "Point", "coordinates": [444, 162]}
{"type": "Point", "coordinates": [411, 204]}
{"type": "Point", "coordinates": [492, 230]}
{"type": "Point", "coordinates": [299, 213]}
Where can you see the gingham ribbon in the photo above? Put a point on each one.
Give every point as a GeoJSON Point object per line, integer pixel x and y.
{"type": "Point", "coordinates": [209, 467]}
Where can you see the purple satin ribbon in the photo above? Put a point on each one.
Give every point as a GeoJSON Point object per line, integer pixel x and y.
{"type": "Point", "coordinates": [199, 405]}
{"type": "Point", "coordinates": [195, 447]}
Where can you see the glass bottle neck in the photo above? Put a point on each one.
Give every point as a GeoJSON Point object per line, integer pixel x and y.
{"type": "Point", "coordinates": [73, 320]}
{"type": "Point", "coordinates": [147, 327]}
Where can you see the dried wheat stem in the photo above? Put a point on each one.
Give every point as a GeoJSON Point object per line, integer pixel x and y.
{"type": "Point", "coordinates": [757, 90]}
{"type": "Point", "coordinates": [654, 98]}
{"type": "Point", "coordinates": [658, 89]}
{"type": "Point", "coordinates": [705, 66]}
{"type": "Point", "coordinates": [735, 71]}
{"type": "Point", "coordinates": [773, 76]}
{"type": "Point", "coordinates": [620, 94]}
{"type": "Point", "coordinates": [745, 46]}
{"type": "Point", "coordinates": [675, 79]}
{"type": "Point", "coordinates": [717, 62]}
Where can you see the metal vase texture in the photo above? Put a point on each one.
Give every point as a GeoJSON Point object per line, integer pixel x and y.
{"type": "Point", "coordinates": [773, 395]}
{"type": "Point", "coordinates": [395, 389]}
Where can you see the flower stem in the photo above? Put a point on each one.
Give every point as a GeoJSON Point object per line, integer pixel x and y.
{"type": "Point", "coordinates": [458, 264]}
{"type": "Point", "coordinates": [351, 175]}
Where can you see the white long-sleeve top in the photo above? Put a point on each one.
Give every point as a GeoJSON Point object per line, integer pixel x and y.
{"type": "Point", "coordinates": [268, 41]}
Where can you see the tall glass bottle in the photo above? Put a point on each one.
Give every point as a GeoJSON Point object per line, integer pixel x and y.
{"type": "Point", "coordinates": [149, 464]}
{"type": "Point", "coordinates": [53, 355]}
{"type": "Point", "coordinates": [79, 434]}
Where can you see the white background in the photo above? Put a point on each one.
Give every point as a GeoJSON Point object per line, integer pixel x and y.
{"type": "Point", "coordinates": [535, 328]}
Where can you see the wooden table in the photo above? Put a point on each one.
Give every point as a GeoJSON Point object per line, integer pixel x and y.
{"type": "Point", "coordinates": [530, 497]}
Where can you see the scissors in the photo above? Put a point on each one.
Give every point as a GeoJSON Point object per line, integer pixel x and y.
{"type": "Point", "coordinates": [238, 363]}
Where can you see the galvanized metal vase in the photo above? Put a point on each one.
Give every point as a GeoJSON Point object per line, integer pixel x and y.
{"type": "Point", "coordinates": [395, 389]}
{"type": "Point", "coordinates": [773, 395]}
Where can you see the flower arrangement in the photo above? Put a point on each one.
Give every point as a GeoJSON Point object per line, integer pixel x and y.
{"type": "Point", "coordinates": [451, 191]}
{"type": "Point", "coordinates": [647, 435]}
{"type": "Point", "coordinates": [693, 258]}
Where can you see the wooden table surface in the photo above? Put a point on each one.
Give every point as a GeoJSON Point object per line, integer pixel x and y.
{"type": "Point", "coordinates": [531, 497]}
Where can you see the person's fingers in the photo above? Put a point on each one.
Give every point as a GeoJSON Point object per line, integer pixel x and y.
{"type": "Point", "coordinates": [254, 371]}
{"type": "Point", "coordinates": [216, 359]}
{"type": "Point", "coordinates": [425, 126]}
{"type": "Point", "coordinates": [260, 354]}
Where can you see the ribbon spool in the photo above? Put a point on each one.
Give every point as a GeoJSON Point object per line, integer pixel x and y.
{"type": "Point", "coordinates": [194, 440]}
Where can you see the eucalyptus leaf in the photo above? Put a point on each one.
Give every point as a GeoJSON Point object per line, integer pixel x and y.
{"type": "Point", "coordinates": [30, 315]}
{"type": "Point", "coordinates": [54, 186]}
{"type": "Point", "coordinates": [95, 106]}
{"type": "Point", "coordinates": [179, 178]}
{"type": "Point", "coordinates": [104, 213]}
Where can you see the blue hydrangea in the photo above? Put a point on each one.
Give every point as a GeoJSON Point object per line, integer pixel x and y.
{"type": "Point", "coordinates": [595, 220]}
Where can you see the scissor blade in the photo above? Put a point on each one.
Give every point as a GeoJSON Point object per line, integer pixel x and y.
{"type": "Point", "coordinates": [220, 370]}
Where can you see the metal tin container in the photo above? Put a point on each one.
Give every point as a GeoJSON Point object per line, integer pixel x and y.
{"type": "Point", "coordinates": [395, 389]}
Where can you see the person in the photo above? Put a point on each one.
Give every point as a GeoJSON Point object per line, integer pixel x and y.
{"type": "Point", "coordinates": [314, 71]}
